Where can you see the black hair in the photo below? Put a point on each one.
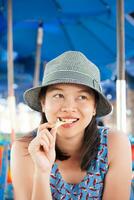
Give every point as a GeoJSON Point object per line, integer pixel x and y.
{"type": "Point", "coordinates": [91, 139]}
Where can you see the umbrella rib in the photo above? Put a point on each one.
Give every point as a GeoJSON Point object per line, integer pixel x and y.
{"type": "Point", "coordinates": [66, 35]}
{"type": "Point", "coordinates": [106, 5]}
{"type": "Point", "coordinates": [91, 32]}
{"type": "Point", "coordinates": [58, 8]}
{"type": "Point", "coordinates": [57, 5]}
{"type": "Point", "coordinates": [111, 27]}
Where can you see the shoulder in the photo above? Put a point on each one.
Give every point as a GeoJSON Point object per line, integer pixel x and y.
{"type": "Point", "coordinates": [116, 138]}
{"type": "Point", "coordinates": [20, 158]}
{"type": "Point", "coordinates": [19, 152]}
{"type": "Point", "coordinates": [118, 144]}
{"type": "Point", "coordinates": [20, 145]}
{"type": "Point", "coordinates": [20, 148]}
{"type": "Point", "coordinates": [119, 173]}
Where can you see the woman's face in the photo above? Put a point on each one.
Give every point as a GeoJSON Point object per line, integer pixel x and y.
{"type": "Point", "coordinates": [69, 101]}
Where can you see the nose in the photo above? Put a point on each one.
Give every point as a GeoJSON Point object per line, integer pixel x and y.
{"type": "Point", "coordinates": [69, 105]}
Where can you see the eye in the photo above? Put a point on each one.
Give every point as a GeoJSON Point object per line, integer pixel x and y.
{"type": "Point", "coordinates": [58, 96]}
{"type": "Point", "coordinates": [82, 97]}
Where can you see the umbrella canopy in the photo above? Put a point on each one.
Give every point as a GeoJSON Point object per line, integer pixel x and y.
{"type": "Point", "coordinates": [67, 25]}
{"type": "Point", "coordinates": [90, 28]}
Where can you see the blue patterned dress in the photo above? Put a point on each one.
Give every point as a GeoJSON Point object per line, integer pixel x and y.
{"type": "Point", "coordinates": [91, 187]}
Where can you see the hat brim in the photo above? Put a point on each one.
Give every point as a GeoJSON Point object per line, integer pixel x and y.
{"type": "Point", "coordinates": [31, 97]}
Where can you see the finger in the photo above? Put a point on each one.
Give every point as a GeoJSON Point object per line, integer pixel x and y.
{"type": "Point", "coordinates": [45, 135]}
{"type": "Point", "coordinates": [45, 146]}
{"type": "Point", "coordinates": [45, 126]}
{"type": "Point", "coordinates": [54, 132]}
{"type": "Point", "coordinates": [33, 145]}
{"type": "Point", "coordinates": [49, 136]}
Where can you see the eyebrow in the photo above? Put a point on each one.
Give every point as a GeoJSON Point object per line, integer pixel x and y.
{"type": "Point", "coordinates": [89, 91]}
{"type": "Point", "coordinates": [83, 90]}
{"type": "Point", "coordinates": [54, 88]}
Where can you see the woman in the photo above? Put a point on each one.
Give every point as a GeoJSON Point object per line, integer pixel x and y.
{"type": "Point", "coordinates": [68, 156]}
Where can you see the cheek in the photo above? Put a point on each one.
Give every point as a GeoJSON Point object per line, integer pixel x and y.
{"type": "Point", "coordinates": [50, 110]}
{"type": "Point", "coordinates": [88, 112]}
{"type": "Point", "coordinates": [88, 108]}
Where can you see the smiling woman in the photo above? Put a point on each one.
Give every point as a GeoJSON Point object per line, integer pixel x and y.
{"type": "Point", "coordinates": [68, 156]}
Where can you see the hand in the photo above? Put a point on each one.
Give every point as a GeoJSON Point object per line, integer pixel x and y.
{"type": "Point", "coordinates": [42, 147]}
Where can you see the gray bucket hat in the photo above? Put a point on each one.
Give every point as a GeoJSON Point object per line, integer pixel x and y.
{"type": "Point", "coordinates": [70, 67]}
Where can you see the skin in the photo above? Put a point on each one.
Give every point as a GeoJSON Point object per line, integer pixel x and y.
{"type": "Point", "coordinates": [67, 100]}
{"type": "Point", "coordinates": [79, 103]}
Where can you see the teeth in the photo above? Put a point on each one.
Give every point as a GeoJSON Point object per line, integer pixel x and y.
{"type": "Point", "coordinates": [61, 121]}
{"type": "Point", "coordinates": [68, 120]}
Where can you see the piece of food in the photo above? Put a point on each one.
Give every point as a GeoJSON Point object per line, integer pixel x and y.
{"type": "Point", "coordinates": [61, 121]}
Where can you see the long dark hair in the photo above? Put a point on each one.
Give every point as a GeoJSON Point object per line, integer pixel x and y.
{"type": "Point", "coordinates": [91, 139]}
{"type": "Point", "coordinates": [90, 144]}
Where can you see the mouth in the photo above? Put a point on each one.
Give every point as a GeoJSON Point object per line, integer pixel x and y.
{"type": "Point", "coordinates": [65, 122]}
{"type": "Point", "coordinates": [68, 120]}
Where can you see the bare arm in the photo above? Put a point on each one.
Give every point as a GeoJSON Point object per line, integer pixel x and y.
{"type": "Point", "coordinates": [22, 170]}
{"type": "Point", "coordinates": [31, 173]}
{"type": "Point", "coordinates": [118, 178]}
{"type": "Point", "coordinates": [29, 184]}
{"type": "Point", "coordinates": [41, 186]}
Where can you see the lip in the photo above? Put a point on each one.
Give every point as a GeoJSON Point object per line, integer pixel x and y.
{"type": "Point", "coordinates": [71, 119]}
{"type": "Point", "coordinates": [71, 124]}
{"type": "Point", "coordinates": [68, 117]}
{"type": "Point", "coordinates": [68, 125]}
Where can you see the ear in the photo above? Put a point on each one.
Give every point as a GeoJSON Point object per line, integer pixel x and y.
{"type": "Point", "coordinates": [94, 112]}
{"type": "Point", "coordinates": [43, 105]}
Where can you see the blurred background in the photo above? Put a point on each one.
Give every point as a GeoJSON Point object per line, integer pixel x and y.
{"type": "Point", "coordinates": [34, 32]}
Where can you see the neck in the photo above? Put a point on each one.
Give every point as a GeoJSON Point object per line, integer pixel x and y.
{"type": "Point", "coordinates": [71, 146]}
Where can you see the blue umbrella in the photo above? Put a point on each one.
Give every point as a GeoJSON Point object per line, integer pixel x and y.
{"type": "Point", "coordinates": [88, 27]}
{"type": "Point", "coordinates": [91, 30]}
